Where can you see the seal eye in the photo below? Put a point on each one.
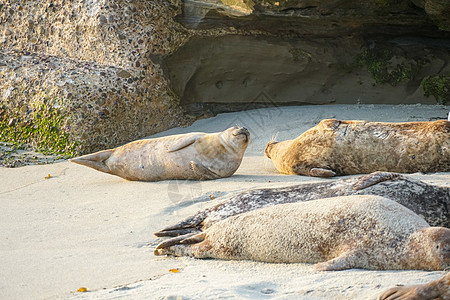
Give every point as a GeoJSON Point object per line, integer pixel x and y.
{"type": "Point", "coordinates": [437, 247]}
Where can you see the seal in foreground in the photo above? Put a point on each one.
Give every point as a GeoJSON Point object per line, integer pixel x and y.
{"type": "Point", "coordinates": [437, 290]}
{"type": "Point", "coordinates": [429, 201]}
{"type": "Point", "coordinates": [368, 232]}
{"type": "Point", "coordinates": [336, 147]}
{"type": "Point", "coordinates": [196, 156]}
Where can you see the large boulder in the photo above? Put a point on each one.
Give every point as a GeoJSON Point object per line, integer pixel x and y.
{"type": "Point", "coordinates": [90, 61]}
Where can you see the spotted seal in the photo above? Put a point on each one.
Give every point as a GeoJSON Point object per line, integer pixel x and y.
{"type": "Point", "coordinates": [435, 290]}
{"type": "Point", "coordinates": [195, 156]}
{"type": "Point", "coordinates": [360, 231]}
{"type": "Point", "coordinates": [335, 147]}
{"type": "Point", "coordinates": [431, 202]}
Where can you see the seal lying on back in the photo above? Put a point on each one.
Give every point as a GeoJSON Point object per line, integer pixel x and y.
{"type": "Point", "coordinates": [368, 232]}
{"type": "Point", "coordinates": [435, 290]}
{"type": "Point", "coordinates": [431, 202]}
{"type": "Point", "coordinates": [336, 147]}
{"type": "Point", "coordinates": [196, 156]}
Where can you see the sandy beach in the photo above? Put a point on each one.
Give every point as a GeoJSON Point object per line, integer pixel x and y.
{"type": "Point", "coordinates": [66, 226]}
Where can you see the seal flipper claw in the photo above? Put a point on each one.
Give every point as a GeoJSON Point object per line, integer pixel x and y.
{"type": "Point", "coordinates": [347, 260]}
{"type": "Point", "coordinates": [203, 172]}
{"type": "Point", "coordinates": [374, 178]}
{"type": "Point", "coordinates": [95, 160]}
{"type": "Point", "coordinates": [321, 172]}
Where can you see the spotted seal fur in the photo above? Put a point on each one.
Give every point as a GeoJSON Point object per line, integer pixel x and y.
{"type": "Point", "coordinates": [335, 147]}
{"type": "Point", "coordinates": [431, 202]}
{"type": "Point", "coordinates": [360, 231]}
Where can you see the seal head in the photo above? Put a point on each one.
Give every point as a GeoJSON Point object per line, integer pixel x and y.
{"type": "Point", "coordinates": [433, 246]}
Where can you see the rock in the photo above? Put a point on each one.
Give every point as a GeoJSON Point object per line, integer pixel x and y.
{"type": "Point", "coordinates": [154, 64]}
{"type": "Point", "coordinates": [123, 74]}
{"type": "Point", "coordinates": [234, 72]}
{"type": "Point", "coordinates": [42, 67]}
{"type": "Point", "coordinates": [439, 12]}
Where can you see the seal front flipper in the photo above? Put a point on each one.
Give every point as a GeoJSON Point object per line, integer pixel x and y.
{"type": "Point", "coordinates": [374, 178]}
{"type": "Point", "coordinates": [347, 260]}
{"type": "Point", "coordinates": [321, 172]}
{"type": "Point", "coordinates": [182, 143]}
{"type": "Point", "coordinates": [95, 160]}
{"type": "Point", "coordinates": [203, 172]}
{"type": "Point", "coordinates": [437, 289]}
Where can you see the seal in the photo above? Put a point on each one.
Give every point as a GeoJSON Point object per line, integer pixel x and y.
{"type": "Point", "coordinates": [335, 147]}
{"type": "Point", "coordinates": [437, 289]}
{"type": "Point", "coordinates": [429, 201]}
{"type": "Point", "coordinates": [361, 231]}
{"type": "Point", "coordinates": [192, 156]}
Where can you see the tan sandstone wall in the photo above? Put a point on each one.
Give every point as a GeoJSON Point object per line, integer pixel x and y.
{"type": "Point", "coordinates": [119, 70]}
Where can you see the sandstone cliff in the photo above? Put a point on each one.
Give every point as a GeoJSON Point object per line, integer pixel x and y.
{"type": "Point", "coordinates": [118, 70]}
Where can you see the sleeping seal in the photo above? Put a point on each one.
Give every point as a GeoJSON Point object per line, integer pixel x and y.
{"type": "Point", "coordinates": [429, 201]}
{"type": "Point", "coordinates": [196, 156]}
{"type": "Point", "coordinates": [361, 231]}
{"type": "Point", "coordinates": [435, 290]}
{"type": "Point", "coordinates": [336, 147]}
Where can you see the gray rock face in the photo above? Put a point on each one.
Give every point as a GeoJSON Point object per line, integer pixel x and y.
{"type": "Point", "coordinates": [305, 52]}
{"type": "Point", "coordinates": [235, 72]}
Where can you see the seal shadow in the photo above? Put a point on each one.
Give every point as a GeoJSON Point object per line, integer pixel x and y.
{"type": "Point", "coordinates": [186, 203]}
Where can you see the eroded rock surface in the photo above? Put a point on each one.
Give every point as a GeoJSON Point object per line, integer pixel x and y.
{"type": "Point", "coordinates": [91, 61]}
{"type": "Point", "coordinates": [119, 70]}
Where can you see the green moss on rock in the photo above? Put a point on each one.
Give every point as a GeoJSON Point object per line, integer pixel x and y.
{"type": "Point", "coordinates": [379, 64]}
{"type": "Point", "coordinates": [437, 86]}
{"type": "Point", "coordinates": [43, 128]}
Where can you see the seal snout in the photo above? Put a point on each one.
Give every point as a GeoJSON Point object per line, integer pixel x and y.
{"type": "Point", "coordinates": [269, 145]}
{"type": "Point", "coordinates": [242, 131]}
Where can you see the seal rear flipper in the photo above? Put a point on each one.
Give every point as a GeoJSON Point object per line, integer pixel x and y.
{"type": "Point", "coordinates": [347, 260]}
{"type": "Point", "coordinates": [321, 172]}
{"type": "Point", "coordinates": [192, 223]}
{"type": "Point", "coordinates": [95, 160]}
{"type": "Point", "coordinates": [374, 178]}
{"type": "Point", "coordinates": [177, 232]}
{"type": "Point", "coordinates": [181, 245]}
{"type": "Point", "coordinates": [203, 172]}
